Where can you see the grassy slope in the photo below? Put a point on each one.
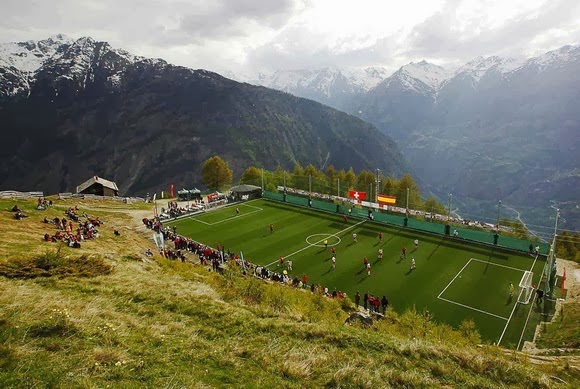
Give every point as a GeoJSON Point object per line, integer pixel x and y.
{"type": "Point", "coordinates": [167, 324]}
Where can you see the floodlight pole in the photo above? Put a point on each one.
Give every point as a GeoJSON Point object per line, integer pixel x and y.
{"type": "Point", "coordinates": [284, 175]}
{"type": "Point", "coordinates": [450, 200]}
{"type": "Point", "coordinates": [377, 191]}
{"type": "Point", "coordinates": [262, 179]}
{"type": "Point", "coordinates": [338, 187]}
{"type": "Point", "coordinates": [498, 209]}
{"type": "Point", "coordinates": [310, 184]}
{"type": "Point", "coordinates": [407, 199]}
{"type": "Point", "coordinates": [371, 192]}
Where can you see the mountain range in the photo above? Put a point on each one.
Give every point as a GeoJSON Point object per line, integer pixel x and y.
{"type": "Point", "coordinates": [71, 109]}
{"type": "Point", "coordinates": [493, 129]}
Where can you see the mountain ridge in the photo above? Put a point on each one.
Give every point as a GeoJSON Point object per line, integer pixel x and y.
{"type": "Point", "coordinates": [94, 110]}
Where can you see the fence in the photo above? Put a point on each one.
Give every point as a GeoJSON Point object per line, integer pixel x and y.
{"type": "Point", "coordinates": [12, 194]}
{"type": "Point", "coordinates": [432, 227]}
{"type": "Point", "coordinates": [64, 196]}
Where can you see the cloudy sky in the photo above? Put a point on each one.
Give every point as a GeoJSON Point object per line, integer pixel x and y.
{"type": "Point", "coordinates": [264, 35]}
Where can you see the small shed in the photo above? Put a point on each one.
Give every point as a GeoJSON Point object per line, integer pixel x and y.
{"type": "Point", "coordinates": [98, 186]}
{"type": "Point", "coordinates": [246, 192]}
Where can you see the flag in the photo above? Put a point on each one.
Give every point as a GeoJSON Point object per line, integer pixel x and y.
{"type": "Point", "coordinates": [384, 199]}
{"type": "Point", "coordinates": [563, 280]}
{"type": "Point", "coordinates": [354, 194]}
{"type": "Point", "coordinates": [171, 190]}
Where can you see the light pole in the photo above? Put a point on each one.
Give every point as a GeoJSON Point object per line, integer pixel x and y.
{"type": "Point", "coordinates": [450, 199]}
{"type": "Point", "coordinates": [377, 190]}
{"type": "Point", "coordinates": [498, 209]}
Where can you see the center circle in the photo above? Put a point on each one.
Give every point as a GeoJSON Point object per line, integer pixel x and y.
{"type": "Point", "coordinates": [313, 240]}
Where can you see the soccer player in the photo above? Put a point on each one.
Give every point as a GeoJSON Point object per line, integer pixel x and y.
{"type": "Point", "coordinates": [325, 244]}
{"type": "Point", "coordinates": [416, 241]}
{"type": "Point", "coordinates": [344, 218]}
{"type": "Point", "coordinates": [289, 265]}
{"type": "Point", "coordinates": [354, 236]}
{"type": "Point", "coordinates": [380, 253]}
{"type": "Point", "coordinates": [365, 262]}
{"type": "Point", "coordinates": [368, 269]}
{"type": "Point", "coordinates": [511, 289]}
{"type": "Point", "coordinates": [271, 226]}
{"type": "Point", "coordinates": [237, 211]}
{"type": "Point", "coordinates": [281, 259]}
{"type": "Point", "coordinates": [412, 263]}
{"type": "Point", "coordinates": [333, 250]}
{"type": "Point", "coordinates": [404, 252]}
{"type": "Point", "coordinates": [333, 262]}
{"type": "Point", "coordinates": [380, 237]}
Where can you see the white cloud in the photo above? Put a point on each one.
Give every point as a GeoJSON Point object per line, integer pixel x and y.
{"type": "Point", "coordinates": [273, 34]}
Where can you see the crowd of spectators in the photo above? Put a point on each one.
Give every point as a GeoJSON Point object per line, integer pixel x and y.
{"type": "Point", "coordinates": [174, 210]}
{"type": "Point", "coordinates": [74, 230]}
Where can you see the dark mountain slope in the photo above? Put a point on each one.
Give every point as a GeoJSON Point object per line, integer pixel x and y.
{"type": "Point", "coordinates": [146, 124]}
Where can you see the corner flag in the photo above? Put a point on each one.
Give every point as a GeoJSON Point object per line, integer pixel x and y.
{"type": "Point", "coordinates": [563, 281]}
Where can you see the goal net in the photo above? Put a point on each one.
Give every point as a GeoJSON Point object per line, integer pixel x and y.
{"type": "Point", "coordinates": [526, 288]}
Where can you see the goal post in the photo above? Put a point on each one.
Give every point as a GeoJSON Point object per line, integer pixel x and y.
{"type": "Point", "coordinates": [526, 288]}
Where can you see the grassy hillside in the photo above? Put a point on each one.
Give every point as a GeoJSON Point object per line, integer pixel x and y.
{"type": "Point", "coordinates": [159, 323]}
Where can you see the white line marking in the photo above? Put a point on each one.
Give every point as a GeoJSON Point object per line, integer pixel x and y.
{"type": "Point", "coordinates": [515, 305]}
{"type": "Point", "coordinates": [467, 306]}
{"type": "Point", "coordinates": [315, 243]}
{"type": "Point", "coordinates": [497, 264]}
{"type": "Point", "coordinates": [475, 309]}
{"type": "Point", "coordinates": [450, 282]}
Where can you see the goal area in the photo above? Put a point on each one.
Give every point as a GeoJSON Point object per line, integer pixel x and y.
{"type": "Point", "coordinates": [526, 288]}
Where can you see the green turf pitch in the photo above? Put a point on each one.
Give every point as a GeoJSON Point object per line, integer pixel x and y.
{"type": "Point", "coordinates": [453, 279]}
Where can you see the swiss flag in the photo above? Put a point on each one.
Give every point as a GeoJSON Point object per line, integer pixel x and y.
{"type": "Point", "coordinates": [354, 194]}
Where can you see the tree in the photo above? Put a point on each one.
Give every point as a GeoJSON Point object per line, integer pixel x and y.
{"type": "Point", "coordinates": [252, 175]}
{"type": "Point", "coordinates": [364, 180]}
{"type": "Point", "coordinates": [216, 174]}
{"type": "Point", "coordinates": [349, 179]}
{"type": "Point", "coordinates": [405, 182]}
{"type": "Point", "coordinates": [390, 186]}
{"type": "Point", "coordinates": [432, 205]}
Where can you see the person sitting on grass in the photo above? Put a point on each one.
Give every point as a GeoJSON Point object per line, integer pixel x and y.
{"type": "Point", "coordinates": [15, 208]}
{"type": "Point", "coordinates": [19, 215]}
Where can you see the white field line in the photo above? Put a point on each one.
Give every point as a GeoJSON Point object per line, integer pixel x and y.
{"type": "Point", "coordinates": [315, 243]}
{"type": "Point", "coordinates": [475, 309]}
{"type": "Point", "coordinates": [192, 215]}
{"type": "Point", "coordinates": [229, 218]}
{"type": "Point", "coordinates": [457, 275]}
{"type": "Point", "coordinates": [470, 307]}
{"type": "Point", "coordinates": [514, 308]}
{"type": "Point", "coordinates": [497, 264]}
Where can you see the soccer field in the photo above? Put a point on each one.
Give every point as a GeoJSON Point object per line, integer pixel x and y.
{"type": "Point", "coordinates": [453, 279]}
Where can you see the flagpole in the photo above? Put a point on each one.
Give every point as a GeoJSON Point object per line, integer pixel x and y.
{"type": "Point", "coordinates": [338, 187]}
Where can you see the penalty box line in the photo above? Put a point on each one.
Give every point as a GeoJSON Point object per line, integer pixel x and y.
{"type": "Point", "coordinates": [468, 306]}
{"type": "Point", "coordinates": [315, 243]}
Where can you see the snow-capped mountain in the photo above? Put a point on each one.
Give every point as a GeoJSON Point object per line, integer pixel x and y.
{"type": "Point", "coordinates": [59, 60]}
{"type": "Point", "coordinates": [495, 128]}
{"type": "Point", "coordinates": [330, 85]}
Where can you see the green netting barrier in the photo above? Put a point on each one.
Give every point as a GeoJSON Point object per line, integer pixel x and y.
{"type": "Point", "coordinates": [296, 200]}
{"type": "Point", "coordinates": [324, 205]}
{"type": "Point", "coordinates": [426, 226]}
{"type": "Point", "coordinates": [478, 236]}
{"type": "Point", "coordinates": [486, 237]}
{"type": "Point", "coordinates": [522, 245]}
{"type": "Point", "coordinates": [389, 219]}
{"type": "Point", "coordinates": [273, 195]}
